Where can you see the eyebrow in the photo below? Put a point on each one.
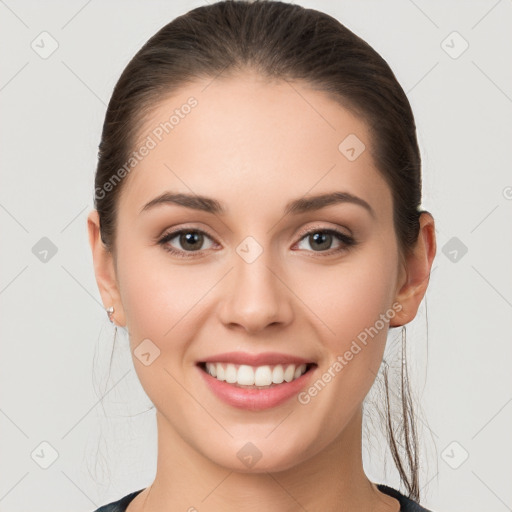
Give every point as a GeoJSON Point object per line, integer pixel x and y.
{"type": "Point", "coordinates": [295, 207]}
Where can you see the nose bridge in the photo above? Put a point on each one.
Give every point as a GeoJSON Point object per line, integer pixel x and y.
{"type": "Point", "coordinates": [256, 297]}
{"type": "Point", "coordinates": [253, 275]}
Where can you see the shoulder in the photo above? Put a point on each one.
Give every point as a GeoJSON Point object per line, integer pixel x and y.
{"type": "Point", "coordinates": [406, 504]}
{"type": "Point", "coordinates": [119, 505]}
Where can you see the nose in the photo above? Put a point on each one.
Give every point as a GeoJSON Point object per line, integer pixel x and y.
{"type": "Point", "coordinates": [256, 296]}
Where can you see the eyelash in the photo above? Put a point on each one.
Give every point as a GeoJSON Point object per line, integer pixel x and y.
{"type": "Point", "coordinates": [347, 241]}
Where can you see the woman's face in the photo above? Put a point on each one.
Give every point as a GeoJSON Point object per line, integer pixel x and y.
{"type": "Point", "coordinates": [254, 282]}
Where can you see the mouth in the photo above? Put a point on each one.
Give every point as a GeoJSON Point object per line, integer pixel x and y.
{"type": "Point", "coordinates": [255, 377]}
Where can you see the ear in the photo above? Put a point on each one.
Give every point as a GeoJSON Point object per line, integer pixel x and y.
{"type": "Point", "coordinates": [104, 270]}
{"type": "Point", "coordinates": [415, 272]}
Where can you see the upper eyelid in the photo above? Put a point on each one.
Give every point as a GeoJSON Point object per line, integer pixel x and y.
{"type": "Point", "coordinates": [178, 231]}
{"type": "Point", "coordinates": [323, 227]}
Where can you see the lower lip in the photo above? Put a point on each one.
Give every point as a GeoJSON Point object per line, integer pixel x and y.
{"type": "Point", "coordinates": [256, 399]}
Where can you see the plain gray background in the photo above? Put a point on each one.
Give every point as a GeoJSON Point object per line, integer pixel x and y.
{"type": "Point", "coordinates": [71, 437]}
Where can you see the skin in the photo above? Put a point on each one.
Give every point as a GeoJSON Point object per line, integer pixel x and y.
{"type": "Point", "coordinates": [254, 146]}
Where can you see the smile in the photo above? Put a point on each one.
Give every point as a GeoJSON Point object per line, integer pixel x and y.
{"type": "Point", "coordinates": [255, 377]}
{"type": "Point", "coordinates": [272, 386]}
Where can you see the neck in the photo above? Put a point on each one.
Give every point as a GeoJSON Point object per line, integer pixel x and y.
{"type": "Point", "coordinates": [332, 480]}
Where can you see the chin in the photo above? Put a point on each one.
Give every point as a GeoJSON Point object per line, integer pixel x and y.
{"type": "Point", "coordinates": [248, 458]}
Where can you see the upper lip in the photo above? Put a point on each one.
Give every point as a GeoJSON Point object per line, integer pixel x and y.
{"type": "Point", "coordinates": [265, 358]}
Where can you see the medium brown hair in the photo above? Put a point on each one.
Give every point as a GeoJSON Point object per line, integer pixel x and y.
{"type": "Point", "coordinates": [280, 41]}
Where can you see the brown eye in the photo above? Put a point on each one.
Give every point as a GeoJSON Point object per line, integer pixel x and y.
{"type": "Point", "coordinates": [320, 240]}
{"type": "Point", "coordinates": [188, 241]}
{"type": "Point", "coordinates": [191, 240]}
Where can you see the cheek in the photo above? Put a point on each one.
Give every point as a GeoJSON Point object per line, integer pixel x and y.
{"type": "Point", "coordinates": [351, 295]}
{"type": "Point", "coordinates": [350, 299]}
{"type": "Point", "coordinates": [161, 301]}
{"type": "Point", "coordinates": [157, 293]}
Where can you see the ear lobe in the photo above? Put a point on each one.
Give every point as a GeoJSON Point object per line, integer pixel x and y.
{"type": "Point", "coordinates": [415, 275]}
{"type": "Point", "coordinates": [104, 270]}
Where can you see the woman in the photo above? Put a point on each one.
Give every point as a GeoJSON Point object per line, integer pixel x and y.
{"type": "Point", "coordinates": [257, 230]}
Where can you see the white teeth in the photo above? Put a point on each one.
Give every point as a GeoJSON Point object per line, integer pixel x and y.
{"type": "Point", "coordinates": [289, 373]}
{"type": "Point", "coordinates": [246, 375]}
{"type": "Point", "coordinates": [297, 373]}
{"type": "Point", "coordinates": [263, 376]}
{"type": "Point", "coordinates": [278, 374]}
{"type": "Point", "coordinates": [231, 373]}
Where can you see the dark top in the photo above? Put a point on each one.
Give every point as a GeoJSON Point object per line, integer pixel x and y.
{"type": "Point", "coordinates": [406, 505]}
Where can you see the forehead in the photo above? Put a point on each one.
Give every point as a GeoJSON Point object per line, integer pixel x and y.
{"type": "Point", "coordinates": [251, 142]}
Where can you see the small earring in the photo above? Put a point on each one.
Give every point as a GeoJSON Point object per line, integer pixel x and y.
{"type": "Point", "coordinates": [110, 311]}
